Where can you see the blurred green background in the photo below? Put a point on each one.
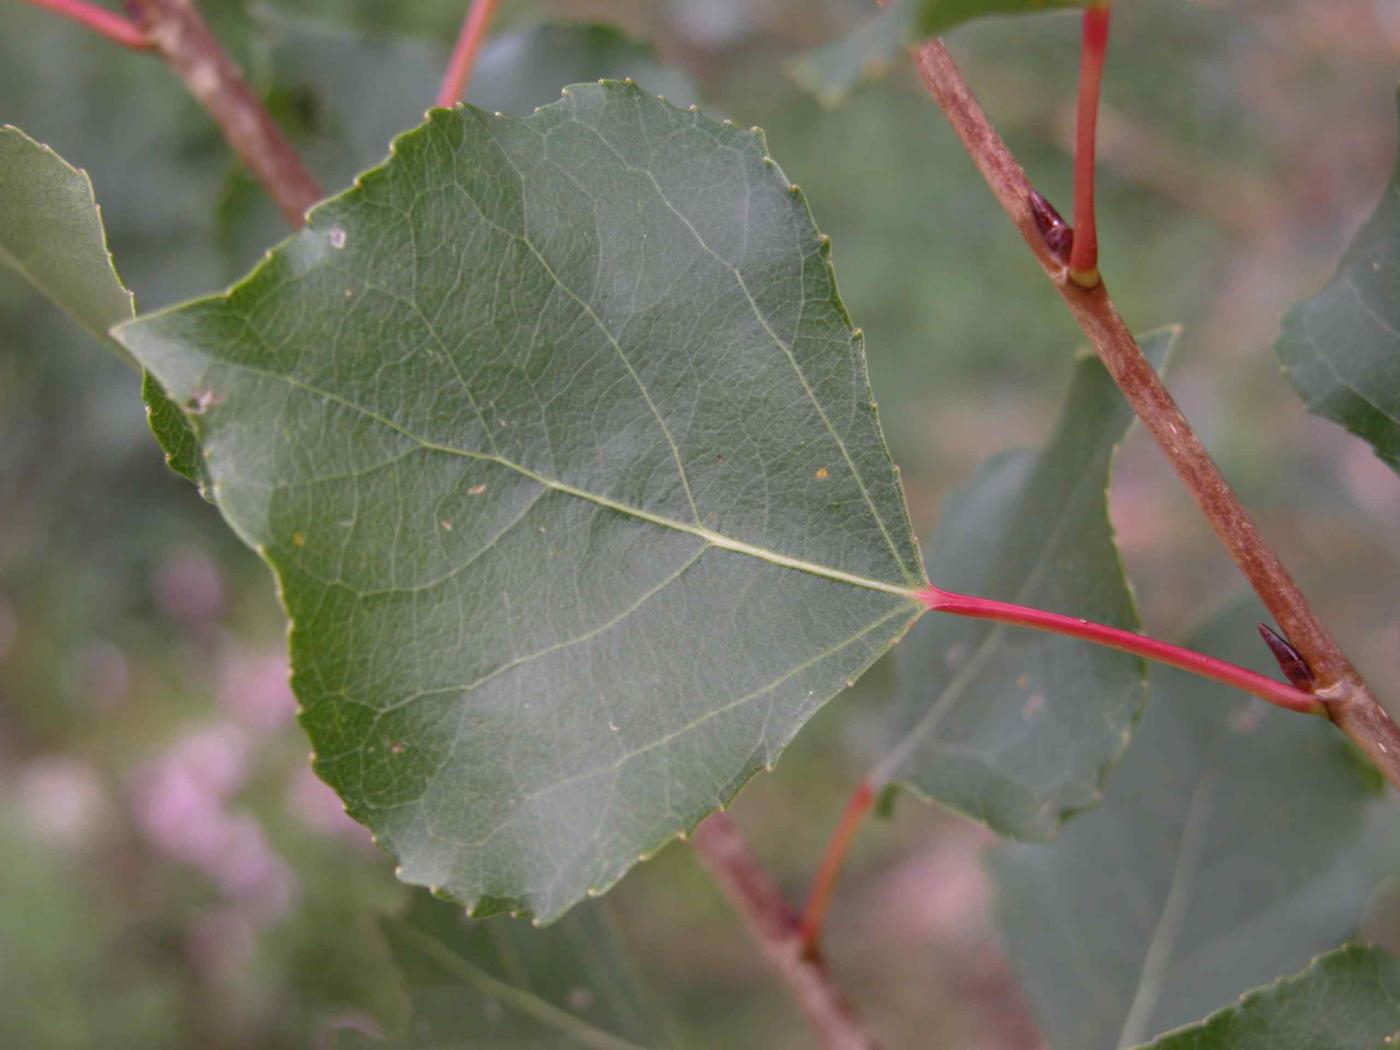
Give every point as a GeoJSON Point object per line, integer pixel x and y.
{"type": "Point", "coordinates": [174, 875]}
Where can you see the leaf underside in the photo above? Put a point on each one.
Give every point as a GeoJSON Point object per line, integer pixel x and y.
{"type": "Point", "coordinates": [1016, 728]}
{"type": "Point", "coordinates": [1341, 348]}
{"type": "Point", "coordinates": [1348, 999]}
{"type": "Point", "coordinates": [1166, 898]}
{"type": "Point", "coordinates": [557, 437]}
{"type": "Point", "coordinates": [51, 234]}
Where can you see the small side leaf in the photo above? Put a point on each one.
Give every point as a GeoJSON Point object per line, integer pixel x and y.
{"type": "Point", "coordinates": [832, 70]}
{"type": "Point", "coordinates": [1229, 849]}
{"type": "Point", "coordinates": [1016, 728]}
{"type": "Point", "coordinates": [478, 983]}
{"type": "Point", "coordinates": [558, 438]}
{"type": "Point", "coordinates": [1341, 348]}
{"type": "Point", "coordinates": [1348, 999]}
{"type": "Point", "coordinates": [51, 234]}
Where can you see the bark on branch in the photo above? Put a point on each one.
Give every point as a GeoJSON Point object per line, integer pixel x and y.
{"type": "Point", "coordinates": [177, 32]}
{"type": "Point", "coordinates": [1350, 703]}
{"type": "Point", "coordinates": [774, 927]}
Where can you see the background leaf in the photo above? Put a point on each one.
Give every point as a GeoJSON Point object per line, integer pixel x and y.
{"type": "Point", "coordinates": [1229, 849]}
{"type": "Point", "coordinates": [475, 983]}
{"type": "Point", "coordinates": [560, 443]}
{"type": "Point", "coordinates": [1341, 348]}
{"type": "Point", "coordinates": [51, 233]}
{"type": "Point", "coordinates": [344, 95]}
{"type": "Point", "coordinates": [1348, 999]}
{"type": "Point", "coordinates": [1016, 728]}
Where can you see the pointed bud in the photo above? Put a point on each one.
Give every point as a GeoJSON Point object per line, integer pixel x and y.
{"type": "Point", "coordinates": [1290, 661]}
{"type": "Point", "coordinates": [1056, 233]}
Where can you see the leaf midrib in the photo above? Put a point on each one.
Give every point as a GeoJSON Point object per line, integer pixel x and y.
{"type": "Point", "coordinates": [713, 539]}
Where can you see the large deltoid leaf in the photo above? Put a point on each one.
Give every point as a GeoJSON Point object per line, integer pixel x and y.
{"type": "Point", "coordinates": [1348, 999]}
{"type": "Point", "coordinates": [51, 234]}
{"type": "Point", "coordinates": [832, 70]}
{"type": "Point", "coordinates": [1011, 727]}
{"type": "Point", "coordinates": [1230, 849]}
{"type": "Point", "coordinates": [558, 439]}
{"type": "Point", "coordinates": [469, 983]}
{"type": "Point", "coordinates": [1341, 348]}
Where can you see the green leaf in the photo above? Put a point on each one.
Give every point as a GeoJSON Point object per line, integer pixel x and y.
{"type": "Point", "coordinates": [558, 439]}
{"type": "Point", "coordinates": [51, 234]}
{"type": "Point", "coordinates": [1011, 727]}
{"type": "Point", "coordinates": [1341, 348]}
{"type": "Point", "coordinates": [477, 983]}
{"type": "Point", "coordinates": [1229, 849]}
{"type": "Point", "coordinates": [1348, 999]}
{"type": "Point", "coordinates": [832, 70]}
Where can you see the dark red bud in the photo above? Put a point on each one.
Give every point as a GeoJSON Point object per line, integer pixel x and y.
{"type": "Point", "coordinates": [1290, 661]}
{"type": "Point", "coordinates": [1057, 234]}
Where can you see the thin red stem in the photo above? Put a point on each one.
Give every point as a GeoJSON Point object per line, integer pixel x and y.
{"type": "Point", "coordinates": [116, 28]}
{"type": "Point", "coordinates": [1084, 258]}
{"type": "Point", "coordinates": [819, 899]}
{"type": "Point", "coordinates": [459, 67]}
{"type": "Point", "coordinates": [1275, 692]}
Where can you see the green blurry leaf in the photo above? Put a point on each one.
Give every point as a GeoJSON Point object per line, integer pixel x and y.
{"type": "Point", "coordinates": [1016, 728]}
{"type": "Point", "coordinates": [1348, 999]}
{"type": "Point", "coordinates": [832, 70]}
{"type": "Point", "coordinates": [1229, 849]}
{"type": "Point", "coordinates": [558, 439]}
{"type": "Point", "coordinates": [51, 234]}
{"type": "Point", "coordinates": [1341, 348]}
{"type": "Point", "coordinates": [474, 983]}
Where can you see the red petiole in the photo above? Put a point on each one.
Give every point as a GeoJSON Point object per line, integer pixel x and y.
{"type": "Point", "coordinates": [1275, 692]}
{"type": "Point", "coordinates": [463, 60]}
{"type": "Point", "coordinates": [1084, 257]}
{"type": "Point", "coordinates": [819, 899]}
{"type": "Point", "coordinates": [113, 26]}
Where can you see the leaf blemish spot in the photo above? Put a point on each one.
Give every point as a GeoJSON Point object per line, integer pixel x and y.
{"type": "Point", "coordinates": [822, 474]}
{"type": "Point", "coordinates": [476, 490]}
{"type": "Point", "coordinates": [336, 235]}
{"type": "Point", "coordinates": [447, 525]}
{"type": "Point", "coordinates": [298, 540]}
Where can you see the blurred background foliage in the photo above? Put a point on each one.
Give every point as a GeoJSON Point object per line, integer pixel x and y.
{"type": "Point", "coordinates": [173, 873]}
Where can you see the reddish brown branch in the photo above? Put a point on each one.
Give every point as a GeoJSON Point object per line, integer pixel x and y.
{"type": "Point", "coordinates": [178, 33]}
{"type": "Point", "coordinates": [773, 925]}
{"type": "Point", "coordinates": [114, 27]}
{"type": "Point", "coordinates": [463, 60]}
{"type": "Point", "coordinates": [1350, 703]}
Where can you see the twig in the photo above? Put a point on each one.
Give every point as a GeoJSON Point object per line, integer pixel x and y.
{"type": "Point", "coordinates": [178, 33]}
{"type": "Point", "coordinates": [1350, 704]}
{"type": "Point", "coordinates": [773, 925]}
{"type": "Point", "coordinates": [114, 27]}
{"type": "Point", "coordinates": [460, 65]}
